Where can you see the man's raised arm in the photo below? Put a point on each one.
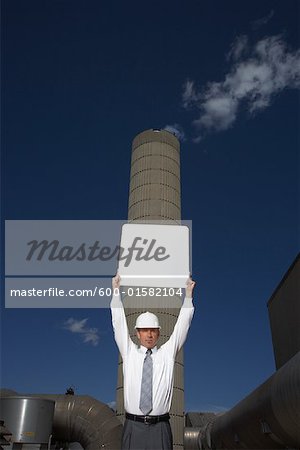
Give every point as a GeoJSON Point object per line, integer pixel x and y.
{"type": "Point", "coordinates": [119, 321]}
{"type": "Point", "coordinates": [178, 337]}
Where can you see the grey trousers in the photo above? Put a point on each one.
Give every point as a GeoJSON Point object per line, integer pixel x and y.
{"type": "Point", "coordinates": [140, 436]}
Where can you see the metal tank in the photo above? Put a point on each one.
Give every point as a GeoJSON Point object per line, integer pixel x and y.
{"type": "Point", "coordinates": [29, 419]}
{"type": "Point", "coordinates": [154, 195]}
{"type": "Point", "coordinates": [79, 418]}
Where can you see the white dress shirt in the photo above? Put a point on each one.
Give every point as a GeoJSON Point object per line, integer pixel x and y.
{"type": "Point", "coordinates": [163, 359]}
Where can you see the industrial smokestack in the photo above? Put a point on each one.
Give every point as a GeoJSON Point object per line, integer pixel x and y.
{"type": "Point", "coordinates": [154, 195]}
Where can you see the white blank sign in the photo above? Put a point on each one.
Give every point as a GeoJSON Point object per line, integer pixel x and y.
{"type": "Point", "coordinates": [154, 255]}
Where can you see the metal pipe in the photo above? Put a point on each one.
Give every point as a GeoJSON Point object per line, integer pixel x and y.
{"type": "Point", "coordinates": [191, 438]}
{"type": "Point", "coordinates": [268, 418]}
{"type": "Point", "coordinates": [83, 419]}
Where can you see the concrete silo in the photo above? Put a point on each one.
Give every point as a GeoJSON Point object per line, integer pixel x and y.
{"type": "Point", "coordinates": [154, 195]}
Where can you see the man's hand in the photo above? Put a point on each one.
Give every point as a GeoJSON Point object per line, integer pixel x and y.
{"type": "Point", "coordinates": [190, 284]}
{"type": "Point", "coordinates": [116, 281]}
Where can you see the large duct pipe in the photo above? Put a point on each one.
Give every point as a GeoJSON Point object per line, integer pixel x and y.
{"type": "Point", "coordinates": [268, 418]}
{"type": "Point", "coordinates": [80, 418]}
{"type": "Point", "coordinates": [191, 438]}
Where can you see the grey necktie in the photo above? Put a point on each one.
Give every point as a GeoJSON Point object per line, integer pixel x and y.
{"type": "Point", "coordinates": [146, 386]}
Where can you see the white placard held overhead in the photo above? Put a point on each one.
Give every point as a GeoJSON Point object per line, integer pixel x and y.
{"type": "Point", "coordinates": [154, 255]}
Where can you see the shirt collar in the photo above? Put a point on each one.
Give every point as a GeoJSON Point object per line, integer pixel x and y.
{"type": "Point", "coordinates": [143, 349]}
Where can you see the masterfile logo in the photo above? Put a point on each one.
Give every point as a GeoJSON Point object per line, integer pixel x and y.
{"type": "Point", "coordinates": [56, 258]}
{"type": "Point", "coordinates": [54, 250]}
{"type": "Point", "coordinates": [86, 248]}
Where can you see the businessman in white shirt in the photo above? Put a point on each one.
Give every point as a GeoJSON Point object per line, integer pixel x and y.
{"type": "Point", "coordinates": [148, 373]}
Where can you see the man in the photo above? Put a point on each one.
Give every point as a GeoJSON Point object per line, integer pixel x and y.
{"type": "Point", "coordinates": [148, 373]}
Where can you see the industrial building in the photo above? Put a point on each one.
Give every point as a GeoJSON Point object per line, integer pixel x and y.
{"type": "Point", "coordinates": [268, 418]}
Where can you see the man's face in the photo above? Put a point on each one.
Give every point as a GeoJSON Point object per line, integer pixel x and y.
{"type": "Point", "coordinates": [148, 337]}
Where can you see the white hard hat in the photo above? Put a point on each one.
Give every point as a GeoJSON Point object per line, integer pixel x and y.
{"type": "Point", "coordinates": [147, 320]}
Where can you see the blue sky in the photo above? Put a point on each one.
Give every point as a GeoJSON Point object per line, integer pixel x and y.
{"type": "Point", "coordinates": [79, 81]}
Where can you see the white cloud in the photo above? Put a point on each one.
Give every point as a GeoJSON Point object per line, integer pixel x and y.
{"type": "Point", "coordinates": [88, 335]}
{"type": "Point", "coordinates": [189, 95]}
{"type": "Point", "coordinates": [177, 130]}
{"type": "Point", "coordinates": [217, 408]}
{"type": "Point", "coordinates": [263, 20]}
{"type": "Point", "coordinates": [112, 404]}
{"type": "Point", "coordinates": [219, 112]}
{"type": "Point", "coordinates": [238, 47]}
{"type": "Point", "coordinates": [256, 76]}
{"type": "Point", "coordinates": [91, 336]}
{"type": "Point", "coordinates": [75, 326]}
{"type": "Point", "coordinates": [208, 407]}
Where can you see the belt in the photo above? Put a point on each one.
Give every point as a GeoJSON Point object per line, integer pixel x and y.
{"type": "Point", "coordinates": [148, 419]}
